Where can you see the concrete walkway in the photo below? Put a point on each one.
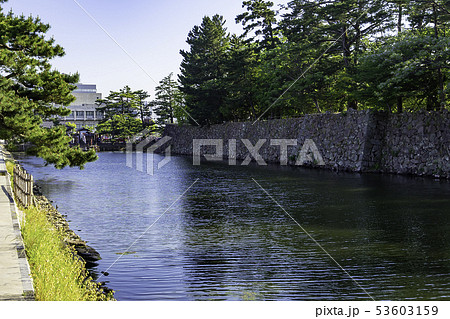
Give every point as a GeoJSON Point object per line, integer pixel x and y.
{"type": "Point", "coordinates": [15, 280]}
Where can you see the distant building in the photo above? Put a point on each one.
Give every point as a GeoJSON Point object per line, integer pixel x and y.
{"type": "Point", "coordinates": [84, 110]}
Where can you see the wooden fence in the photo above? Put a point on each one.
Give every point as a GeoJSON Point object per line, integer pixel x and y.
{"type": "Point", "coordinates": [23, 186]}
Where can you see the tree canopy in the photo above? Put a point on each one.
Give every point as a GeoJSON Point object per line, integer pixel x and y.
{"type": "Point", "coordinates": [203, 69]}
{"type": "Point", "coordinates": [126, 113]}
{"type": "Point", "coordinates": [31, 91]}
{"type": "Point", "coordinates": [168, 104]}
{"type": "Point", "coordinates": [318, 56]}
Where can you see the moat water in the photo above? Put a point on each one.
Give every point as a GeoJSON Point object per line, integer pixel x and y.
{"type": "Point", "coordinates": [219, 232]}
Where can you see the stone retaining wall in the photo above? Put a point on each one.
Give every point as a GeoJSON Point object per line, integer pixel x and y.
{"type": "Point", "coordinates": [358, 141]}
{"type": "Point", "coordinates": [418, 144]}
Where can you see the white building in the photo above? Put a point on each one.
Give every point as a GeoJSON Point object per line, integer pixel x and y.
{"type": "Point", "coordinates": [84, 110]}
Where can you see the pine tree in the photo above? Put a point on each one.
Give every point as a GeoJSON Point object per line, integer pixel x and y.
{"type": "Point", "coordinates": [433, 17]}
{"type": "Point", "coordinates": [241, 69]}
{"type": "Point", "coordinates": [144, 111]}
{"type": "Point", "coordinates": [260, 19]}
{"type": "Point", "coordinates": [203, 70]}
{"type": "Point", "coordinates": [31, 91]}
{"type": "Point", "coordinates": [168, 102]}
{"type": "Point", "coordinates": [122, 102]}
{"type": "Point", "coordinates": [330, 36]}
{"type": "Point", "coordinates": [125, 113]}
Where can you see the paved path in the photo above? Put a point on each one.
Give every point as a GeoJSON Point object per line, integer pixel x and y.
{"type": "Point", "coordinates": [15, 282]}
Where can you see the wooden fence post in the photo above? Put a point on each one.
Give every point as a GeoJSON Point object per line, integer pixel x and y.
{"type": "Point", "coordinates": [23, 186]}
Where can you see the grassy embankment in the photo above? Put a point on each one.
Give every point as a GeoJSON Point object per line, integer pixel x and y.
{"type": "Point", "coordinates": [58, 274]}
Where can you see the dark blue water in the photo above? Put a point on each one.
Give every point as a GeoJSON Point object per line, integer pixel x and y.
{"type": "Point", "coordinates": [210, 232]}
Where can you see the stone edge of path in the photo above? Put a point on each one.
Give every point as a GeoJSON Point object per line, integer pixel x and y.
{"type": "Point", "coordinates": [27, 281]}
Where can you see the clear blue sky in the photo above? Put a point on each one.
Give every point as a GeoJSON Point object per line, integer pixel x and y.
{"type": "Point", "coordinates": [151, 31]}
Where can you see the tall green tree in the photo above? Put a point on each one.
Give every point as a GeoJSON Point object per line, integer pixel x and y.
{"type": "Point", "coordinates": [168, 102]}
{"type": "Point", "coordinates": [121, 102]}
{"type": "Point", "coordinates": [320, 55]}
{"type": "Point", "coordinates": [260, 24]}
{"type": "Point", "coordinates": [259, 21]}
{"type": "Point", "coordinates": [120, 126]}
{"type": "Point", "coordinates": [408, 67]}
{"type": "Point", "coordinates": [428, 14]}
{"type": "Point", "coordinates": [432, 17]}
{"type": "Point", "coordinates": [410, 71]}
{"type": "Point", "coordinates": [241, 74]}
{"type": "Point", "coordinates": [31, 91]}
{"type": "Point", "coordinates": [333, 32]}
{"type": "Point", "coordinates": [125, 113]}
{"type": "Point", "coordinates": [143, 107]}
{"type": "Point", "coordinates": [203, 70]}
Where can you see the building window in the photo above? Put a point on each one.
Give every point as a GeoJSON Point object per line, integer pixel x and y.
{"type": "Point", "coordinates": [70, 116]}
{"type": "Point", "coordinates": [80, 114]}
{"type": "Point", "coordinates": [99, 114]}
{"type": "Point", "coordinates": [90, 114]}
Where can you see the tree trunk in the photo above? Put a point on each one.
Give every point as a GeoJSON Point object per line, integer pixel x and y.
{"type": "Point", "coordinates": [439, 71]}
{"type": "Point", "coordinates": [345, 49]}
{"type": "Point", "coordinates": [442, 101]}
{"type": "Point", "coordinates": [316, 102]}
{"type": "Point", "coordinates": [399, 104]}
{"type": "Point", "coordinates": [142, 116]}
{"type": "Point", "coordinates": [435, 22]}
{"type": "Point", "coordinates": [351, 104]}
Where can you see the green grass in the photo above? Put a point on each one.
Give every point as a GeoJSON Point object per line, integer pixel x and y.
{"type": "Point", "coordinates": [58, 273]}
{"type": "Point", "coordinates": [9, 166]}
